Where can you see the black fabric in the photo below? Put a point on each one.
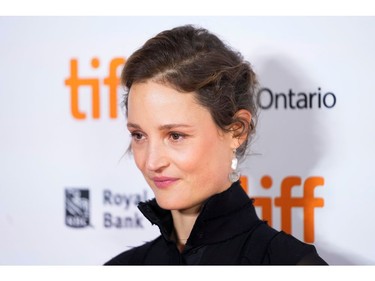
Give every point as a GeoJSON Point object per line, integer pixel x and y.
{"type": "Point", "coordinates": [226, 232]}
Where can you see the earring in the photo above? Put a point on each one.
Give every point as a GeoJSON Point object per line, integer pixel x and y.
{"type": "Point", "coordinates": [234, 175]}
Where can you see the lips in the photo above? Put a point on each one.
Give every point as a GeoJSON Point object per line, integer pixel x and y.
{"type": "Point", "coordinates": [164, 182]}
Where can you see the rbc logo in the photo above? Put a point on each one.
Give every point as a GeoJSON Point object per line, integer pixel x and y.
{"type": "Point", "coordinates": [286, 202]}
{"type": "Point", "coordinates": [77, 207]}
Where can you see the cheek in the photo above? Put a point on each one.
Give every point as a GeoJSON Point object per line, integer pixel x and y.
{"type": "Point", "coordinates": [139, 158]}
{"type": "Point", "coordinates": [189, 160]}
{"type": "Point", "coordinates": [202, 158]}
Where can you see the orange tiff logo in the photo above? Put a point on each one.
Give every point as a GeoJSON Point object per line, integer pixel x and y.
{"type": "Point", "coordinates": [76, 81]}
{"type": "Point", "coordinates": [286, 202]}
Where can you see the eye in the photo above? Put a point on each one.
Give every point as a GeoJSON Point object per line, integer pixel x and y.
{"type": "Point", "coordinates": [176, 136]}
{"type": "Point", "coordinates": [137, 136]}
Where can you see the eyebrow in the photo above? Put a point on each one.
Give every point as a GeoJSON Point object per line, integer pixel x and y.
{"type": "Point", "coordinates": [132, 125]}
{"type": "Point", "coordinates": [162, 127]}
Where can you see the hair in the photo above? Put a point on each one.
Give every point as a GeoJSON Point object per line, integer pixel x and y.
{"type": "Point", "coordinates": [192, 59]}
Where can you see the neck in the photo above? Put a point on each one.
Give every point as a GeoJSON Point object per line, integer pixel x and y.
{"type": "Point", "coordinates": [183, 222]}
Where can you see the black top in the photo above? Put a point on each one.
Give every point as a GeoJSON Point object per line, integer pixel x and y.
{"type": "Point", "coordinates": [226, 232]}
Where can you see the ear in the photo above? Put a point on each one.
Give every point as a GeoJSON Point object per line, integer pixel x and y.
{"type": "Point", "coordinates": [240, 128]}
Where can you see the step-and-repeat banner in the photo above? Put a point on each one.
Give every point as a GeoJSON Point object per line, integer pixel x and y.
{"type": "Point", "coordinates": [69, 191]}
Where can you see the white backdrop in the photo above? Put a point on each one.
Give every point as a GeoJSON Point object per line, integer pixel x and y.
{"type": "Point", "coordinates": [47, 153]}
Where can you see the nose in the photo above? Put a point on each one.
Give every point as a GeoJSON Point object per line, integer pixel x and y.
{"type": "Point", "coordinates": [156, 158]}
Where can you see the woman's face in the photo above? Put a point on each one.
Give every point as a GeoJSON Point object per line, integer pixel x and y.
{"type": "Point", "coordinates": [183, 155]}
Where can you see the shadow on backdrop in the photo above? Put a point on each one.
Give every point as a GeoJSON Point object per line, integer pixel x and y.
{"type": "Point", "coordinates": [290, 140]}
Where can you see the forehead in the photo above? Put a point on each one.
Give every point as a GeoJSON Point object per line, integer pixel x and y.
{"type": "Point", "coordinates": [157, 102]}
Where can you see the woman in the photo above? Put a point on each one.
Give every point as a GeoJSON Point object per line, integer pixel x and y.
{"type": "Point", "coordinates": [191, 111]}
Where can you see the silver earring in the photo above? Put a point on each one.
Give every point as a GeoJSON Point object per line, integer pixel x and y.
{"type": "Point", "coordinates": [234, 175]}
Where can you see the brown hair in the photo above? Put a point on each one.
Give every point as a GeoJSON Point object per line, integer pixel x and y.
{"type": "Point", "coordinates": [192, 59]}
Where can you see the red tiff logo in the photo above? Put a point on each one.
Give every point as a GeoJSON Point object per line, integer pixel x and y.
{"type": "Point", "coordinates": [76, 81]}
{"type": "Point", "coordinates": [286, 202]}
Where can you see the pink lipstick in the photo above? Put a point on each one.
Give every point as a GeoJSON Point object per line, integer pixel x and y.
{"type": "Point", "coordinates": [164, 182]}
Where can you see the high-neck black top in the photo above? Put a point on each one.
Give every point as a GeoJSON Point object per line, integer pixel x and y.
{"type": "Point", "coordinates": [227, 231]}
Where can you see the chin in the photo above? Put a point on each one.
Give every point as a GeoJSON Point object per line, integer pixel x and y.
{"type": "Point", "coordinates": [171, 204]}
{"type": "Point", "coordinates": [168, 204]}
